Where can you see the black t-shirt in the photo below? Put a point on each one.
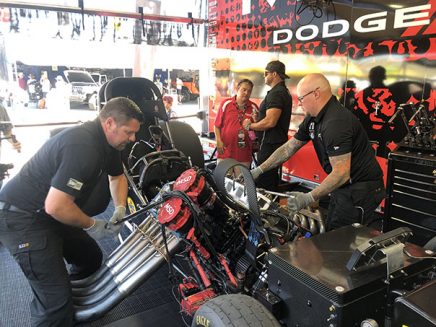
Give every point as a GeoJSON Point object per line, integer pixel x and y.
{"type": "Point", "coordinates": [336, 131]}
{"type": "Point", "coordinates": [72, 161]}
{"type": "Point", "coordinates": [278, 97]}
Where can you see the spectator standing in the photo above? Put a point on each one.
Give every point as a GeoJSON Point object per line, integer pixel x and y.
{"type": "Point", "coordinates": [179, 86]}
{"type": "Point", "coordinates": [22, 83]}
{"type": "Point", "coordinates": [168, 104]}
{"type": "Point", "coordinates": [233, 140]}
{"type": "Point", "coordinates": [273, 121]}
{"type": "Point", "coordinates": [45, 88]}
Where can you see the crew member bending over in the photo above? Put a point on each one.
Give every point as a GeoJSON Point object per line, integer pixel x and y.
{"type": "Point", "coordinates": [45, 209]}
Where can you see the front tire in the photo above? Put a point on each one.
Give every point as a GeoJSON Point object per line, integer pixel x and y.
{"type": "Point", "coordinates": [234, 310]}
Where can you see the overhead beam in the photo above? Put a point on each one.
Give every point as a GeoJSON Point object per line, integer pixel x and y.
{"type": "Point", "coordinates": [100, 12]}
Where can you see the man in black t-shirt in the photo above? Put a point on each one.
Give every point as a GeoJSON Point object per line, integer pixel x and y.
{"type": "Point", "coordinates": [354, 179]}
{"type": "Point", "coordinates": [45, 210]}
{"type": "Point", "coordinates": [272, 124]}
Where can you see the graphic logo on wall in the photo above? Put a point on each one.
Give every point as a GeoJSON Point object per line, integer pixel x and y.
{"type": "Point", "coordinates": [320, 27]}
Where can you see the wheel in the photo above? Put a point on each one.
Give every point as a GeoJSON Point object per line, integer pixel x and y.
{"type": "Point", "coordinates": [186, 140]}
{"type": "Point", "coordinates": [236, 310]}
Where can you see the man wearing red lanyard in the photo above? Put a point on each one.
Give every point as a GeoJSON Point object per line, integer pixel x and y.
{"type": "Point", "coordinates": [233, 141]}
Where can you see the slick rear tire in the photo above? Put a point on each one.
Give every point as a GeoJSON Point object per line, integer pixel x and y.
{"type": "Point", "coordinates": [234, 310]}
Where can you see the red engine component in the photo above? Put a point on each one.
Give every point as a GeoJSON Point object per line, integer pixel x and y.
{"type": "Point", "coordinates": [195, 186]}
{"type": "Point", "coordinates": [175, 215]}
{"type": "Point", "coordinates": [193, 297]}
{"type": "Point", "coordinates": [191, 236]}
{"type": "Point", "coordinates": [203, 275]}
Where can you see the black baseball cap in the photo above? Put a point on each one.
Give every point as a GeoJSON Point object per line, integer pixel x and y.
{"type": "Point", "coordinates": [278, 67]}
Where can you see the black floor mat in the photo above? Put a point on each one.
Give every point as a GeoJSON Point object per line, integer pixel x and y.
{"type": "Point", "coordinates": [145, 306]}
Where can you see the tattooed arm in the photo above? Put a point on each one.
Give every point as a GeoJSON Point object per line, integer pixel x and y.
{"type": "Point", "coordinates": [282, 154]}
{"type": "Point", "coordinates": [340, 174]}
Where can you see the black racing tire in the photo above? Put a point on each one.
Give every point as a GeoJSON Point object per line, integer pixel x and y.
{"type": "Point", "coordinates": [234, 310]}
{"type": "Point", "coordinates": [187, 141]}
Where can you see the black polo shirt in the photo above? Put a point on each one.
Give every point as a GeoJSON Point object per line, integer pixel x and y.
{"type": "Point", "coordinates": [72, 161]}
{"type": "Point", "coordinates": [336, 131]}
{"type": "Point", "coordinates": [278, 97]}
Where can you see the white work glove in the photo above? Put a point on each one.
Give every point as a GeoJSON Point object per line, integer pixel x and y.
{"type": "Point", "coordinates": [17, 146]}
{"type": "Point", "coordinates": [299, 200]}
{"type": "Point", "coordinates": [102, 229]}
{"type": "Point", "coordinates": [119, 213]}
{"type": "Point", "coordinates": [256, 172]}
{"type": "Point", "coordinates": [15, 143]}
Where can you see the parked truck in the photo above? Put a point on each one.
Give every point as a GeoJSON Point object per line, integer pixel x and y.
{"type": "Point", "coordinates": [82, 88]}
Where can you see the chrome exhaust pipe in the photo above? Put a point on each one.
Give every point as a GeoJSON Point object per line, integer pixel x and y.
{"type": "Point", "coordinates": [113, 280]}
{"type": "Point", "coordinates": [131, 279]}
{"type": "Point", "coordinates": [113, 266]}
{"type": "Point", "coordinates": [119, 252]}
{"type": "Point", "coordinates": [312, 226]}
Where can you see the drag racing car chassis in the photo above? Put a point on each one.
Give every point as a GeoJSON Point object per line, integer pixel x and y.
{"type": "Point", "coordinates": [235, 258]}
{"type": "Point", "coordinates": [209, 238]}
{"type": "Point", "coordinates": [235, 255]}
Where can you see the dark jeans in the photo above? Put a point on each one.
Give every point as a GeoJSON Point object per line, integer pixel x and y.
{"type": "Point", "coordinates": [39, 244]}
{"type": "Point", "coordinates": [268, 180]}
{"type": "Point", "coordinates": [355, 203]}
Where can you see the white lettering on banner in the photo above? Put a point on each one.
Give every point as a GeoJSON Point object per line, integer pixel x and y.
{"type": "Point", "coordinates": [402, 15]}
{"type": "Point", "coordinates": [328, 26]}
{"type": "Point", "coordinates": [278, 33]}
{"type": "Point", "coordinates": [373, 25]}
{"type": "Point", "coordinates": [299, 33]}
{"type": "Point", "coordinates": [246, 6]}
{"type": "Point", "coordinates": [405, 17]}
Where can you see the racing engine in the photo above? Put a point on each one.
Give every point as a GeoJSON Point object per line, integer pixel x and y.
{"type": "Point", "coordinates": [216, 231]}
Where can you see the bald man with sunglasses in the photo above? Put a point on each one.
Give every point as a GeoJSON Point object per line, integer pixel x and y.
{"type": "Point", "coordinates": [354, 180]}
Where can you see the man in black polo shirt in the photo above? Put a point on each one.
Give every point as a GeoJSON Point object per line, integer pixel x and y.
{"type": "Point", "coordinates": [273, 121]}
{"type": "Point", "coordinates": [45, 214]}
{"type": "Point", "coordinates": [354, 179]}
